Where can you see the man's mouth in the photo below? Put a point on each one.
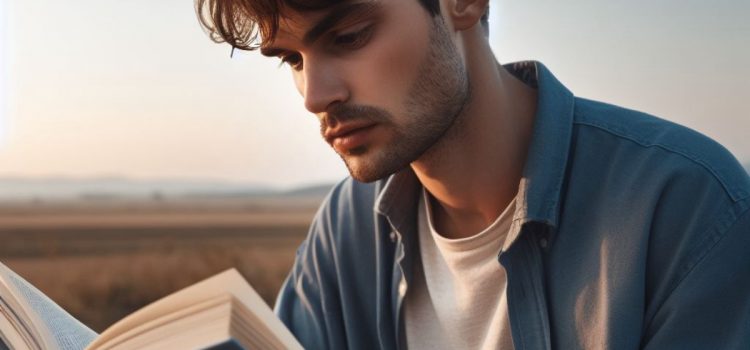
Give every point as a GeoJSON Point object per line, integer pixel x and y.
{"type": "Point", "coordinates": [348, 136]}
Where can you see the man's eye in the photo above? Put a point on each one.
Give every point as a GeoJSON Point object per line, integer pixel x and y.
{"type": "Point", "coordinates": [293, 60]}
{"type": "Point", "coordinates": [353, 40]}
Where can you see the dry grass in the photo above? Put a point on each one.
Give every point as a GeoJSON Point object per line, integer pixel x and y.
{"type": "Point", "coordinates": [102, 274]}
{"type": "Point", "coordinates": [99, 290]}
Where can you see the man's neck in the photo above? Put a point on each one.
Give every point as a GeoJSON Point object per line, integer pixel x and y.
{"type": "Point", "coordinates": [472, 173]}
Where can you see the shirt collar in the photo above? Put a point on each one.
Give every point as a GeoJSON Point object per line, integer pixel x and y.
{"type": "Point", "coordinates": [538, 198]}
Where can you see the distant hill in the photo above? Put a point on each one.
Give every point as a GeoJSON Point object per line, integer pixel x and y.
{"type": "Point", "coordinates": [112, 188]}
{"type": "Point", "coordinates": [15, 189]}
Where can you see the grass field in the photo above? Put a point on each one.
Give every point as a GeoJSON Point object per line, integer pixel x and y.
{"type": "Point", "coordinates": [102, 265]}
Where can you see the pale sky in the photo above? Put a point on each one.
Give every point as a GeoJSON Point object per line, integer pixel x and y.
{"type": "Point", "coordinates": [135, 88]}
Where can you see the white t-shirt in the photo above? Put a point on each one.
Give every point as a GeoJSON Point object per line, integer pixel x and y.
{"type": "Point", "coordinates": [457, 298]}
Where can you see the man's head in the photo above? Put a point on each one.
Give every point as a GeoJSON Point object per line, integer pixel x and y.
{"type": "Point", "coordinates": [241, 22]}
{"type": "Point", "coordinates": [385, 77]}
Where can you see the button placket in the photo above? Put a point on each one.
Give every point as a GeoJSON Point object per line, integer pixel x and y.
{"type": "Point", "coordinates": [543, 242]}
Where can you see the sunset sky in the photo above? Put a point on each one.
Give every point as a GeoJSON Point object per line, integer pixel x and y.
{"type": "Point", "coordinates": [135, 89]}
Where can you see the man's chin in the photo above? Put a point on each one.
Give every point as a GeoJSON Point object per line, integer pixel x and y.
{"type": "Point", "coordinates": [364, 169]}
{"type": "Point", "coordinates": [365, 174]}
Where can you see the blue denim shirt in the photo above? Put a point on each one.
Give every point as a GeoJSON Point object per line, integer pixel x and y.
{"type": "Point", "coordinates": [630, 232]}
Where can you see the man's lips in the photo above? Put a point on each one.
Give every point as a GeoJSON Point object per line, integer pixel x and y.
{"type": "Point", "coordinates": [347, 136]}
{"type": "Point", "coordinates": [343, 130]}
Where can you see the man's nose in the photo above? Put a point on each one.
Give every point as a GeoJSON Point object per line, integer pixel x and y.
{"type": "Point", "coordinates": [322, 86]}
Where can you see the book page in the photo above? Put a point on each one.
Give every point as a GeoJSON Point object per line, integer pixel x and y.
{"type": "Point", "coordinates": [230, 282]}
{"type": "Point", "coordinates": [51, 326]}
{"type": "Point", "coordinates": [15, 327]}
{"type": "Point", "coordinates": [10, 334]}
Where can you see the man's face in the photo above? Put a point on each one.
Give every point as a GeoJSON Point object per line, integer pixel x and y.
{"type": "Point", "coordinates": [384, 79]}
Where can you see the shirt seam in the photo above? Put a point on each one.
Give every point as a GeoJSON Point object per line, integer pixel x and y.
{"type": "Point", "coordinates": [720, 228]}
{"type": "Point", "coordinates": [734, 195]}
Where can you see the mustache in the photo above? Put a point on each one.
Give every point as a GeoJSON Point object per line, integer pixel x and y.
{"type": "Point", "coordinates": [346, 113]}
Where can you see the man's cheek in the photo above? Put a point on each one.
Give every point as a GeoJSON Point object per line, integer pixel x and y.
{"type": "Point", "coordinates": [385, 76]}
{"type": "Point", "coordinates": [400, 60]}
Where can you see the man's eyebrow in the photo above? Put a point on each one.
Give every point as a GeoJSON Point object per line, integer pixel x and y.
{"type": "Point", "coordinates": [332, 19]}
{"type": "Point", "coordinates": [337, 15]}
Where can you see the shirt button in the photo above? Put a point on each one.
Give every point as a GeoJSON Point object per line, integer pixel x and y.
{"type": "Point", "coordinates": [393, 236]}
{"type": "Point", "coordinates": [402, 288]}
{"type": "Point", "coordinates": [543, 243]}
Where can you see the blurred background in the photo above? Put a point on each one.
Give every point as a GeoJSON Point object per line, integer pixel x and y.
{"type": "Point", "coordinates": [137, 157]}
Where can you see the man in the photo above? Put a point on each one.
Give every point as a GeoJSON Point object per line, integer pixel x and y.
{"type": "Point", "coordinates": [487, 206]}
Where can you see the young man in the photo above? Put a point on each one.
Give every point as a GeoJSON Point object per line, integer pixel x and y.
{"type": "Point", "coordinates": [487, 206]}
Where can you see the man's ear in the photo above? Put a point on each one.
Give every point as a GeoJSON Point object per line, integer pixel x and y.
{"type": "Point", "coordinates": [466, 13]}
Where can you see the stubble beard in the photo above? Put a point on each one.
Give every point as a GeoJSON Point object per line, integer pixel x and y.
{"type": "Point", "coordinates": [435, 101]}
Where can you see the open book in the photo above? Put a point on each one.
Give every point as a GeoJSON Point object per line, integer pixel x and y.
{"type": "Point", "coordinates": [221, 312]}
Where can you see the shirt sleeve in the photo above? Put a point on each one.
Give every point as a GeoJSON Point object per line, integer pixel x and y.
{"type": "Point", "coordinates": [710, 306]}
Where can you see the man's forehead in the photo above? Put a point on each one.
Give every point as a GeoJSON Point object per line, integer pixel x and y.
{"type": "Point", "coordinates": [307, 26]}
{"type": "Point", "coordinates": [299, 11]}
{"type": "Point", "coordinates": [294, 24]}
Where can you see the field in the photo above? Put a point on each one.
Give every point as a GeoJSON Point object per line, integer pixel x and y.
{"type": "Point", "coordinates": [102, 261]}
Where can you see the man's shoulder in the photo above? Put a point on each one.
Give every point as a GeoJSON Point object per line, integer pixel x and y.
{"type": "Point", "coordinates": [349, 206]}
{"type": "Point", "coordinates": [673, 192]}
{"type": "Point", "coordinates": [351, 195]}
{"type": "Point", "coordinates": [678, 147]}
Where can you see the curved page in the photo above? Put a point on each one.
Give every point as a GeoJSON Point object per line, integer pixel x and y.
{"type": "Point", "coordinates": [227, 282]}
{"type": "Point", "coordinates": [53, 327]}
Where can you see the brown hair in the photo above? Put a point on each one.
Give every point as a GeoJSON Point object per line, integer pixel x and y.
{"type": "Point", "coordinates": [240, 22]}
